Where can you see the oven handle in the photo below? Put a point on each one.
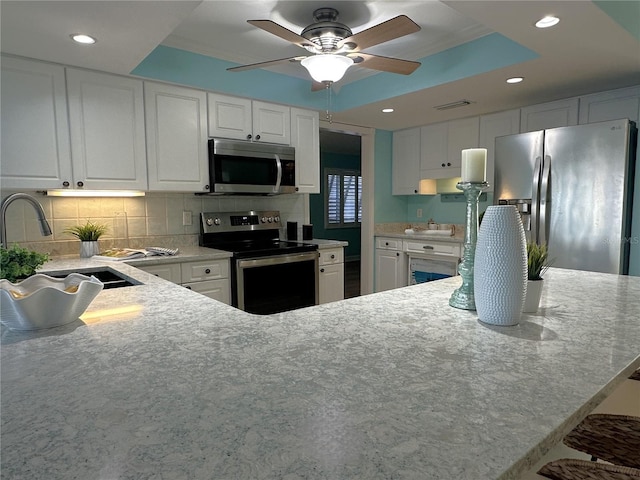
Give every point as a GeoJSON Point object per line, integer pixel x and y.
{"type": "Point", "coordinates": [279, 174]}
{"type": "Point", "coordinates": [276, 260]}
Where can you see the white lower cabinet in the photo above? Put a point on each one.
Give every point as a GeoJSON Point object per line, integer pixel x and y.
{"type": "Point", "coordinates": [391, 264]}
{"type": "Point", "coordinates": [208, 277]}
{"type": "Point", "coordinates": [331, 275]}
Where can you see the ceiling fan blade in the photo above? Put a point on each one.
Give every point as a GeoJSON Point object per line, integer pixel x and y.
{"type": "Point", "coordinates": [383, 32]}
{"type": "Point", "coordinates": [384, 64]}
{"type": "Point", "coordinates": [265, 64]}
{"type": "Point", "coordinates": [282, 32]}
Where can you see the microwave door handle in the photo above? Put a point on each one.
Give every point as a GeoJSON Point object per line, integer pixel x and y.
{"type": "Point", "coordinates": [276, 189]}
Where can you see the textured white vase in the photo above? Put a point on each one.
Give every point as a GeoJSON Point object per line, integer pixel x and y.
{"type": "Point", "coordinates": [89, 249]}
{"type": "Point", "coordinates": [500, 269]}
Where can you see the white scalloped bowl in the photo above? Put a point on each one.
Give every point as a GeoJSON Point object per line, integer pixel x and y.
{"type": "Point", "coordinates": [41, 301]}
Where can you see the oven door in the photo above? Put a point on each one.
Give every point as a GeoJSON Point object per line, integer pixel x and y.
{"type": "Point", "coordinates": [266, 285]}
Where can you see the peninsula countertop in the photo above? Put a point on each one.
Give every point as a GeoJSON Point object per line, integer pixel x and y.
{"type": "Point", "coordinates": [156, 381]}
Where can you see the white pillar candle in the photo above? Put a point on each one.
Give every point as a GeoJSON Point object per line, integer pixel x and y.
{"type": "Point", "coordinates": [474, 165]}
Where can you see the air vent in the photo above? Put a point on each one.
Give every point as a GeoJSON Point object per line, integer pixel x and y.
{"type": "Point", "coordinates": [448, 106]}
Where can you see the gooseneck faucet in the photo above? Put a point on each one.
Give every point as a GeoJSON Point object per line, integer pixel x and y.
{"type": "Point", "coordinates": [44, 225]}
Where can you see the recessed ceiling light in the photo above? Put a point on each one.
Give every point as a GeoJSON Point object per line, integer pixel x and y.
{"type": "Point", "coordinates": [387, 110]}
{"type": "Point", "coordinates": [514, 79]}
{"type": "Point", "coordinates": [547, 22]}
{"type": "Point", "coordinates": [82, 38]}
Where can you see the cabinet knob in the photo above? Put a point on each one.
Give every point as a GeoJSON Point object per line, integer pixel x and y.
{"type": "Point", "coordinates": [448, 164]}
{"type": "Point", "coordinates": [80, 184]}
{"type": "Point", "coordinates": [332, 257]}
{"type": "Point", "coordinates": [249, 137]}
{"type": "Point", "coordinates": [386, 243]}
{"type": "Point", "coordinates": [428, 247]}
{"type": "Point", "coordinates": [207, 271]}
{"type": "Point", "coordinates": [207, 188]}
{"type": "Point", "coordinates": [397, 254]}
{"type": "Point", "coordinates": [188, 287]}
{"type": "Point", "coordinates": [415, 191]}
{"type": "Point", "coordinates": [442, 164]}
{"type": "Point", "coordinates": [322, 270]}
{"type": "Point", "coordinates": [257, 137]}
{"type": "Point", "coordinates": [65, 184]}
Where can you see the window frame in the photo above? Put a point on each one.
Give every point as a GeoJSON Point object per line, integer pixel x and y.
{"type": "Point", "coordinates": [342, 173]}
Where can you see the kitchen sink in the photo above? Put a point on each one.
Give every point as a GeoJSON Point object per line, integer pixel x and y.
{"type": "Point", "coordinates": [109, 277]}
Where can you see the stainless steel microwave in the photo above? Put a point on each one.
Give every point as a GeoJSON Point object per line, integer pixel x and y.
{"type": "Point", "coordinates": [242, 167]}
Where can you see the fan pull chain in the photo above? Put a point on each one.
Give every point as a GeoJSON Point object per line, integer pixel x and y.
{"type": "Point", "coordinates": [329, 116]}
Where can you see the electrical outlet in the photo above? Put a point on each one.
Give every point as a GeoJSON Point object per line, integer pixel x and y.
{"type": "Point", "coordinates": [186, 218]}
{"type": "Point", "coordinates": [419, 213]}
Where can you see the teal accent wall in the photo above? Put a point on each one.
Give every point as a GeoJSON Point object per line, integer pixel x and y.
{"type": "Point", "coordinates": [487, 53]}
{"type": "Point", "coordinates": [187, 68]}
{"type": "Point", "coordinates": [625, 12]}
{"type": "Point", "coordinates": [433, 207]}
{"type": "Point", "coordinates": [387, 207]}
{"type": "Point", "coordinates": [316, 205]}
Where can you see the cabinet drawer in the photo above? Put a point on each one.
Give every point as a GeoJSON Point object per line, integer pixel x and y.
{"type": "Point", "coordinates": [168, 271]}
{"type": "Point", "coordinates": [216, 289]}
{"type": "Point", "coordinates": [330, 256]}
{"type": "Point", "coordinates": [205, 270]}
{"type": "Point", "coordinates": [433, 248]}
{"type": "Point", "coordinates": [389, 243]}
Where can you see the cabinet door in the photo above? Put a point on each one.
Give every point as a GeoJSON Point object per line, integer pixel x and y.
{"type": "Point", "coordinates": [271, 123]}
{"type": "Point", "coordinates": [216, 289]}
{"type": "Point", "coordinates": [433, 150]}
{"type": "Point", "coordinates": [106, 118]}
{"type": "Point", "coordinates": [176, 126]}
{"type": "Point", "coordinates": [305, 137]}
{"type": "Point", "coordinates": [562, 113]}
{"type": "Point", "coordinates": [168, 271]}
{"type": "Point", "coordinates": [229, 117]}
{"type": "Point", "coordinates": [391, 270]}
{"type": "Point", "coordinates": [331, 256]}
{"type": "Point", "coordinates": [35, 133]}
{"type": "Point", "coordinates": [612, 105]}
{"type": "Point", "coordinates": [205, 270]}
{"type": "Point", "coordinates": [331, 283]}
{"type": "Point", "coordinates": [406, 162]}
{"type": "Point", "coordinates": [462, 134]}
{"type": "Point", "coordinates": [493, 126]}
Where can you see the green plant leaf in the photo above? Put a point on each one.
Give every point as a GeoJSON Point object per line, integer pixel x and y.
{"type": "Point", "coordinates": [17, 263]}
{"type": "Point", "coordinates": [89, 232]}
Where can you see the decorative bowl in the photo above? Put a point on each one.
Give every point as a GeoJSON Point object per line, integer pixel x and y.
{"type": "Point", "coordinates": [41, 301]}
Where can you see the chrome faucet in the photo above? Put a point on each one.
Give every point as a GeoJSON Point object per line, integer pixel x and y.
{"type": "Point", "coordinates": [44, 225]}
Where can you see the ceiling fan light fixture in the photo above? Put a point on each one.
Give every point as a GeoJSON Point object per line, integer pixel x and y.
{"type": "Point", "coordinates": [327, 67]}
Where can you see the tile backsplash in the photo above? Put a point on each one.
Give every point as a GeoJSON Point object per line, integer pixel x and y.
{"type": "Point", "coordinates": [153, 220]}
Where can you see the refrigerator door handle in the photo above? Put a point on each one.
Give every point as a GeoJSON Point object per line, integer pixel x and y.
{"type": "Point", "coordinates": [544, 186]}
{"type": "Point", "coordinates": [535, 199]}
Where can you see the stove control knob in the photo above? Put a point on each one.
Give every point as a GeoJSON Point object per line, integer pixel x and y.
{"type": "Point", "coordinates": [276, 219]}
{"type": "Point", "coordinates": [209, 221]}
{"type": "Point", "coordinates": [263, 220]}
{"type": "Point", "coordinates": [270, 219]}
{"type": "Point", "coordinates": [217, 221]}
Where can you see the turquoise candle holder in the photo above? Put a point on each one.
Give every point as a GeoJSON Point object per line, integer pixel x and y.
{"type": "Point", "coordinates": [464, 297]}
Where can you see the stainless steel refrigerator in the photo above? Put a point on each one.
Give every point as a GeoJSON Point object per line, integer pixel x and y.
{"type": "Point", "coordinates": [574, 189]}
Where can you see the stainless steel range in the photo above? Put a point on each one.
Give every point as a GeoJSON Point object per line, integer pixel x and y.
{"type": "Point", "coordinates": [268, 275]}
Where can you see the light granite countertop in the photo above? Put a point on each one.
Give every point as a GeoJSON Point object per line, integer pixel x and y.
{"type": "Point", "coordinates": [156, 381]}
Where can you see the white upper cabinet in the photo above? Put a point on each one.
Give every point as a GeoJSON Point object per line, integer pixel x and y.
{"type": "Point", "coordinates": [612, 105]}
{"type": "Point", "coordinates": [271, 123]}
{"type": "Point", "coordinates": [305, 137]}
{"type": "Point", "coordinates": [492, 126]}
{"type": "Point", "coordinates": [106, 119]}
{"type": "Point", "coordinates": [442, 144]}
{"type": "Point", "coordinates": [562, 113]}
{"type": "Point", "coordinates": [244, 119]}
{"type": "Point", "coordinates": [406, 162]}
{"type": "Point", "coordinates": [176, 126]}
{"type": "Point", "coordinates": [462, 134]}
{"type": "Point", "coordinates": [35, 130]}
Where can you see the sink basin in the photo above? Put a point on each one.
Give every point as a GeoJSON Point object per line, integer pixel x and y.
{"type": "Point", "coordinates": [109, 277]}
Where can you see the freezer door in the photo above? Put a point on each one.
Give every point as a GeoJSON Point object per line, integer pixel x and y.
{"type": "Point", "coordinates": [515, 160]}
{"type": "Point", "coordinates": [588, 196]}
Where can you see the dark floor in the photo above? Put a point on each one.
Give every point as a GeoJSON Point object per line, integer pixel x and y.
{"type": "Point", "coordinates": [352, 279]}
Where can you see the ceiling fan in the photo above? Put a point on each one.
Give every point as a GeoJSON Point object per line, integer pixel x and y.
{"type": "Point", "coordinates": [335, 48]}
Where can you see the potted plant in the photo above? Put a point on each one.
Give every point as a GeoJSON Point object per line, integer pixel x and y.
{"type": "Point", "coordinates": [17, 263]}
{"type": "Point", "coordinates": [88, 234]}
{"type": "Point", "coordinates": [537, 265]}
